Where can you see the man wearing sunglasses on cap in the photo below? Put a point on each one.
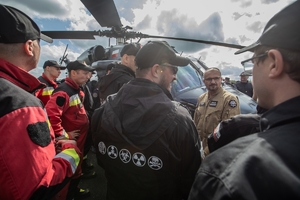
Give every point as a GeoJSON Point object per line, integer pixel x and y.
{"type": "Point", "coordinates": [147, 143]}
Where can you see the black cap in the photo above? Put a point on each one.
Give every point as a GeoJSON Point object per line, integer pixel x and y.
{"type": "Point", "coordinates": [110, 66]}
{"type": "Point", "coordinates": [17, 27]}
{"type": "Point", "coordinates": [157, 52]}
{"type": "Point", "coordinates": [79, 64]}
{"type": "Point", "coordinates": [51, 63]}
{"type": "Point", "coordinates": [281, 31]}
{"type": "Point", "coordinates": [245, 74]}
{"type": "Point", "coordinates": [130, 49]}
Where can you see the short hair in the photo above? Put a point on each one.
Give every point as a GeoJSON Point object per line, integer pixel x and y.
{"type": "Point", "coordinates": [292, 58]}
{"type": "Point", "coordinates": [211, 69]}
{"type": "Point", "coordinates": [142, 72]}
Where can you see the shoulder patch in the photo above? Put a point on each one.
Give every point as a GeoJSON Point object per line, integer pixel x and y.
{"type": "Point", "coordinates": [232, 103]}
{"type": "Point", "coordinates": [60, 101]}
{"type": "Point", "coordinates": [39, 133]}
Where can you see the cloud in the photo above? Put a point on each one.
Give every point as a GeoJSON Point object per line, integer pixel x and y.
{"type": "Point", "coordinates": [240, 23]}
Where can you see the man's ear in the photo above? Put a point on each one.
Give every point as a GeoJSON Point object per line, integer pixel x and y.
{"type": "Point", "coordinates": [276, 64]}
{"type": "Point", "coordinates": [28, 47]}
{"type": "Point", "coordinates": [156, 70]}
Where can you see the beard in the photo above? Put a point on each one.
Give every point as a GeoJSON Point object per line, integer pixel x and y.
{"type": "Point", "coordinates": [165, 83]}
{"type": "Point", "coordinates": [212, 87]}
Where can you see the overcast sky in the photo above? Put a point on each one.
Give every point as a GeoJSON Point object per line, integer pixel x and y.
{"type": "Point", "coordinates": [231, 21]}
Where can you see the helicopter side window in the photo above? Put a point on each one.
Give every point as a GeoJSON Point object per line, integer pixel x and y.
{"type": "Point", "coordinates": [187, 78]}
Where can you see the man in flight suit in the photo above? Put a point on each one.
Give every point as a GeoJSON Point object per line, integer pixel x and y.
{"type": "Point", "coordinates": [50, 74]}
{"type": "Point", "coordinates": [213, 106]}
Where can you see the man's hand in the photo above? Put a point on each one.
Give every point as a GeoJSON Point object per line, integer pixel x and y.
{"type": "Point", "coordinates": [59, 144]}
{"type": "Point", "coordinates": [74, 135]}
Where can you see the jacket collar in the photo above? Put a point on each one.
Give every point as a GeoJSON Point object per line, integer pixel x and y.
{"type": "Point", "coordinates": [19, 77]}
{"type": "Point", "coordinates": [48, 80]}
{"type": "Point", "coordinates": [72, 83]}
{"type": "Point", "coordinates": [285, 112]}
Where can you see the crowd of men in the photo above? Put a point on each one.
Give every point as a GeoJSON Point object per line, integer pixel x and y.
{"type": "Point", "coordinates": [148, 144]}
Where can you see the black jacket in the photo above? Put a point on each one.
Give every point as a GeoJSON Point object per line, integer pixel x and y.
{"type": "Point", "coordinates": [147, 144]}
{"type": "Point", "coordinates": [111, 83]}
{"type": "Point", "coordinates": [245, 88]}
{"type": "Point", "coordinates": [264, 165]}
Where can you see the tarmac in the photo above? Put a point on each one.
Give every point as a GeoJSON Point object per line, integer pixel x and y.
{"type": "Point", "coordinates": [97, 185]}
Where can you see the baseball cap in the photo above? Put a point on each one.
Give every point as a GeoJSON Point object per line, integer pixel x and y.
{"type": "Point", "coordinates": [51, 63]}
{"type": "Point", "coordinates": [130, 49]}
{"type": "Point", "coordinates": [281, 31]}
{"type": "Point", "coordinates": [17, 27]}
{"type": "Point", "coordinates": [245, 74]}
{"type": "Point", "coordinates": [79, 64]}
{"type": "Point", "coordinates": [158, 52]}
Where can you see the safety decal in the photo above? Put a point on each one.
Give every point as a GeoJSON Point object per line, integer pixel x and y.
{"type": "Point", "coordinates": [232, 103]}
{"type": "Point", "coordinates": [155, 163]}
{"type": "Point", "coordinates": [112, 152]}
{"type": "Point", "coordinates": [125, 155]}
{"type": "Point", "coordinates": [102, 148]}
{"type": "Point", "coordinates": [138, 159]}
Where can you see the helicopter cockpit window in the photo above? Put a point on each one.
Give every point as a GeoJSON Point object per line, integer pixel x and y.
{"type": "Point", "coordinates": [187, 78]}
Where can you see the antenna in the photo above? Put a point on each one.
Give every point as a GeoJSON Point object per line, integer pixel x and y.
{"type": "Point", "coordinates": [64, 57]}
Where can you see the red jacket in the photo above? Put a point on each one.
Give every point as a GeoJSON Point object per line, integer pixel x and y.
{"type": "Point", "coordinates": [66, 111]}
{"type": "Point", "coordinates": [44, 94]}
{"type": "Point", "coordinates": [28, 164]}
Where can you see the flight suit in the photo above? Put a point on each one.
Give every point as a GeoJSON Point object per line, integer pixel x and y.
{"type": "Point", "coordinates": [210, 112]}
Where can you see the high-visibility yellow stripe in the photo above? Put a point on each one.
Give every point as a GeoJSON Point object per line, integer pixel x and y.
{"type": "Point", "coordinates": [74, 100]}
{"type": "Point", "coordinates": [47, 91]}
{"type": "Point", "coordinates": [71, 156]}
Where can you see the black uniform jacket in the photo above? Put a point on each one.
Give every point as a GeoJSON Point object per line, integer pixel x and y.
{"type": "Point", "coordinates": [111, 83]}
{"type": "Point", "coordinates": [264, 165]}
{"type": "Point", "coordinates": [147, 144]}
{"type": "Point", "coordinates": [245, 88]}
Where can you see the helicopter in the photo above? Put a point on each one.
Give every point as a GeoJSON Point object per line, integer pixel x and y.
{"type": "Point", "coordinates": [105, 13]}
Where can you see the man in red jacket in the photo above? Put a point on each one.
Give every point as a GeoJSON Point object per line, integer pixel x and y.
{"type": "Point", "coordinates": [27, 150]}
{"type": "Point", "coordinates": [67, 114]}
{"type": "Point", "coordinates": [50, 74]}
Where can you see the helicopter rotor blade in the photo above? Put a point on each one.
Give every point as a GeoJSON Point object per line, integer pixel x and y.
{"type": "Point", "coordinates": [104, 11]}
{"type": "Point", "coordinates": [199, 41]}
{"type": "Point", "coordinates": [88, 35]}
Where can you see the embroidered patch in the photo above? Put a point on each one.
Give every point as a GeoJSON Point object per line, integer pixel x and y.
{"type": "Point", "coordinates": [213, 103]}
{"type": "Point", "coordinates": [139, 159]}
{"type": "Point", "coordinates": [60, 101]}
{"type": "Point", "coordinates": [232, 103]}
{"type": "Point", "coordinates": [112, 152]}
{"type": "Point", "coordinates": [39, 133]}
{"type": "Point", "coordinates": [102, 148]}
{"type": "Point", "coordinates": [155, 163]}
{"type": "Point", "coordinates": [202, 104]}
{"type": "Point", "coordinates": [125, 155]}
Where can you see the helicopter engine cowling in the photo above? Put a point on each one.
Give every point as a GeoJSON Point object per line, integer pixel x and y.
{"type": "Point", "coordinates": [93, 54]}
